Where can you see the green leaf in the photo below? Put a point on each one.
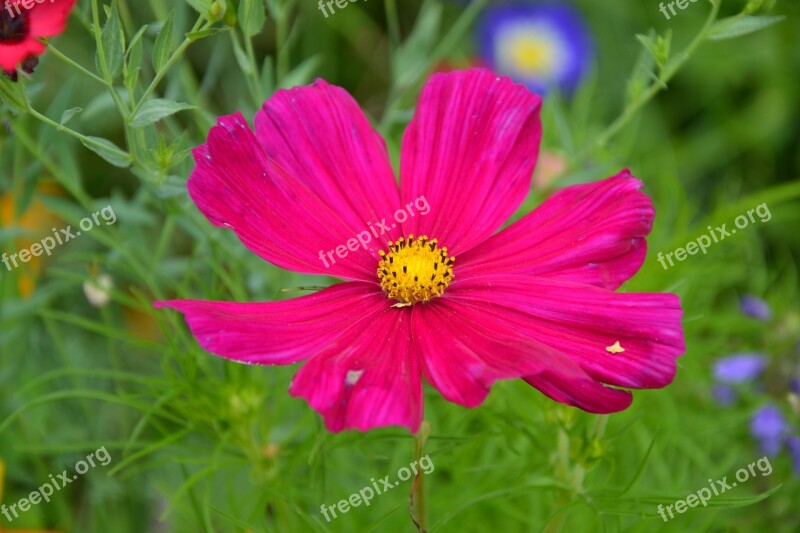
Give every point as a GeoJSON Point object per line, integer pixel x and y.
{"type": "Point", "coordinates": [731, 27]}
{"type": "Point", "coordinates": [133, 60]}
{"type": "Point", "coordinates": [108, 151]}
{"type": "Point", "coordinates": [109, 58]}
{"type": "Point", "coordinates": [412, 59]}
{"type": "Point", "coordinates": [133, 57]}
{"type": "Point", "coordinates": [252, 16]}
{"type": "Point", "coordinates": [154, 110]}
{"type": "Point", "coordinates": [202, 6]}
{"type": "Point", "coordinates": [162, 49]}
{"type": "Point", "coordinates": [137, 37]}
{"type": "Point", "coordinates": [302, 73]}
{"type": "Point", "coordinates": [67, 115]}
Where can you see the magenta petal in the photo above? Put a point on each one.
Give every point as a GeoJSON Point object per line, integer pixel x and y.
{"type": "Point", "coordinates": [274, 214]}
{"type": "Point", "coordinates": [592, 233]}
{"type": "Point", "coordinates": [320, 136]}
{"type": "Point", "coordinates": [465, 349]}
{"type": "Point", "coordinates": [583, 322]}
{"type": "Point", "coordinates": [470, 151]}
{"type": "Point", "coordinates": [584, 394]}
{"type": "Point", "coordinates": [279, 333]}
{"type": "Point", "coordinates": [369, 377]}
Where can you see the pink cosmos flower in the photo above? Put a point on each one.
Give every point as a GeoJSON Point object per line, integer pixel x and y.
{"type": "Point", "coordinates": [534, 301]}
{"type": "Point", "coordinates": [23, 24]}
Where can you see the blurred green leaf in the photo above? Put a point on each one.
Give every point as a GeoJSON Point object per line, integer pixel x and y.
{"type": "Point", "coordinates": [731, 27]}
{"type": "Point", "coordinates": [154, 110]}
{"type": "Point", "coordinates": [162, 49]}
{"type": "Point", "coordinates": [202, 6]}
{"type": "Point", "coordinates": [303, 73]}
{"type": "Point", "coordinates": [67, 115]}
{"type": "Point", "coordinates": [251, 16]}
{"type": "Point", "coordinates": [14, 94]}
{"type": "Point", "coordinates": [412, 58]}
{"type": "Point", "coordinates": [109, 57]}
{"type": "Point", "coordinates": [133, 61]}
{"type": "Point", "coordinates": [108, 151]}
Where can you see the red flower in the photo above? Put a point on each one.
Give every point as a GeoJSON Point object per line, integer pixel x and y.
{"type": "Point", "coordinates": [22, 24]}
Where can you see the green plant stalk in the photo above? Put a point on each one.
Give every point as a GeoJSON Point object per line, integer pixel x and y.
{"type": "Point", "coordinates": [418, 491]}
{"type": "Point", "coordinates": [81, 137]}
{"type": "Point", "coordinates": [80, 68]}
{"type": "Point", "coordinates": [665, 75]}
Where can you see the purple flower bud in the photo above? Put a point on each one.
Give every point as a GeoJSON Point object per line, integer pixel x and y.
{"type": "Point", "coordinates": [739, 368]}
{"type": "Point", "coordinates": [769, 427]}
{"type": "Point", "coordinates": [755, 307]}
{"type": "Point", "coordinates": [794, 385]}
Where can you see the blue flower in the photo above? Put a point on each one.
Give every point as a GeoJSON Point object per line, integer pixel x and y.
{"type": "Point", "coordinates": [544, 46]}
{"type": "Point", "coordinates": [739, 368]}
{"type": "Point", "coordinates": [755, 308]}
{"type": "Point", "coordinates": [769, 428]}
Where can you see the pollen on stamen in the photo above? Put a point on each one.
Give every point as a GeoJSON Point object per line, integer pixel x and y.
{"type": "Point", "coordinates": [410, 272]}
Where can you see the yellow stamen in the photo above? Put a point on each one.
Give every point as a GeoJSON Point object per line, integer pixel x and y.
{"type": "Point", "coordinates": [415, 270]}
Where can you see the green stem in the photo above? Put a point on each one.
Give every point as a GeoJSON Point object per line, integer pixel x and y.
{"type": "Point", "coordinates": [81, 137]}
{"type": "Point", "coordinates": [418, 492]}
{"type": "Point", "coordinates": [73, 64]}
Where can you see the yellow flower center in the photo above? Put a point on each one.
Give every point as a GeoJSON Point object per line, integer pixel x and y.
{"type": "Point", "coordinates": [415, 270]}
{"type": "Point", "coordinates": [534, 54]}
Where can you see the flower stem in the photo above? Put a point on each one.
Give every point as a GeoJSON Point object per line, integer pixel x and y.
{"type": "Point", "coordinates": [417, 497]}
{"type": "Point", "coordinates": [73, 64]}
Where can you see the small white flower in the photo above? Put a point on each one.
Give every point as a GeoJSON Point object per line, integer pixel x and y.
{"type": "Point", "coordinates": [97, 290]}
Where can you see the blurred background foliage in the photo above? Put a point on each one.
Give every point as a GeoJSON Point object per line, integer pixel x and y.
{"type": "Point", "coordinates": [199, 444]}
